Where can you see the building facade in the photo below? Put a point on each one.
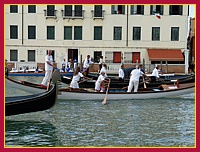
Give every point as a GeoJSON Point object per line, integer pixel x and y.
{"type": "Point", "coordinates": [191, 40]}
{"type": "Point", "coordinates": [120, 33]}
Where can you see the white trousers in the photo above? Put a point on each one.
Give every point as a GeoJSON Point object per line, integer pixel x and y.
{"type": "Point", "coordinates": [74, 84]}
{"type": "Point", "coordinates": [132, 83]}
{"type": "Point", "coordinates": [97, 86]}
{"type": "Point", "coordinates": [46, 77]}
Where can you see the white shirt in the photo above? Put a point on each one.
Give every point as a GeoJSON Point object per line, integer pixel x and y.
{"type": "Point", "coordinates": [63, 63]}
{"type": "Point", "coordinates": [50, 59]}
{"type": "Point", "coordinates": [104, 70]}
{"type": "Point", "coordinates": [77, 77]}
{"type": "Point", "coordinates": [155, 73]}
{"type": "Point", "coordinates": [121, 73]}
{"type": "Point", "coordinates": [100, 61]}
{"type": "Point", "coordinates": [135, 74]}
{"type": "Point", "coordinates": [101, 78]}
{"type": "Point", "coordinates": [87, 62]}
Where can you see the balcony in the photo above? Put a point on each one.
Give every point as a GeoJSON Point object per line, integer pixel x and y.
{"type": "Point", "coordinates": [50, 14]}
{"type": "Point", "coordinates": [74, 14]}
{"type": "Point", "coordinates": [98, 14]}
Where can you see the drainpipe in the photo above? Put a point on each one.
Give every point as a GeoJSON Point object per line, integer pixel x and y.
{"type": "Point", "coordinates": [186, 60]}
{"type": "Point", "coordinates": [127, 26]}
{"type": "Point", "coordinates": [22, 24]}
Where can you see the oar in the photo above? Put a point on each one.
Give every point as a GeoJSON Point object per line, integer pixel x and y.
{"type": "Point", "coordinates": [56, 76]}
{"type": "Point", "coordinates": [49, 83]}
{"type": "Point", "coordinates": [144, 83]}
{"type": "Point", "coordinates": [104, 101]}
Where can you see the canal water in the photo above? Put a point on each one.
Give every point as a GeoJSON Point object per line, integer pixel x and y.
{"type": "Point", "coordinates": [166, 122]}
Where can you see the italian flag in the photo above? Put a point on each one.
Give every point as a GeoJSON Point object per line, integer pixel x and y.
{"type": "Point", "coordinates": [158, 15]}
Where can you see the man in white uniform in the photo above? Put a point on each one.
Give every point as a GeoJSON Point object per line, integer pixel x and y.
{"type": "Point", "coordinates": [134, 79]}
{"type": "Point", "coordinates": [121, 74]}
{"type": "Point", "coordinates": [155, 74]}
{"type": "Point", "coordinates": [48, 68]}
{"type": "Point", "coordinates": [87, 63]}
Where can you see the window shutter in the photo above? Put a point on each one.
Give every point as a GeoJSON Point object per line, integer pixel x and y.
{"type": "Point", "coordinates": [123, 9]}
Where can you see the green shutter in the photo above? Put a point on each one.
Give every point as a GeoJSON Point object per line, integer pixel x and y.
{"type": "Point", "coordinates": [98, 33]}
{"type": "Point", "coordinates": [67, 33]}
{"type": "Point", "coordinates": [13, 32]}
{"type": "Point", "coordinates": [78, 33]}
{"type": "Point", "coordinates": [180, 9]}
{"type": "Point", "coordinates": [113, 9]}
{"type": "Point", "coordinates": [50, 32]}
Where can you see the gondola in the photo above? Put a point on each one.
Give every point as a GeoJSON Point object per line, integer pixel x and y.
{"type": "Point", "coordinates": [38, 100]}
{"type": "Point", "coordinates": [30, 103]}
{"type": "Point", "coordinates": [163, 91]}
{"type": "Point", "coordinates": [116, 84]}
{"type": "Point", "coordinates": [170, 90]}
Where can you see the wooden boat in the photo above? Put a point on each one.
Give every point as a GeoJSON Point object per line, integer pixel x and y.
{"type": "Point", "coordinates": [32, 73]}
{"type": "Point", "coordinates": [38, 100]}
{"type": "Point", "coordinates": [24, 85]}
{"type": "Point", "coordinates": [29, 86]}
{"type": "Point", "coordinates": [163, 77]}
{"type": "Point", "coordinates": [119, 94]}
{"type": "Point", "coordinates": [116, 84]}
{"type": "Point", "coordinates": [30, 103]}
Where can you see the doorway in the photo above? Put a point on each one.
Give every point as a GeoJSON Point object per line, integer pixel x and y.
{"type": "Point", "coordinates": [73, 54]}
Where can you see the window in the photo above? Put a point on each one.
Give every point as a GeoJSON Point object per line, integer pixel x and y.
{"type": "Point", "coordinates": [175, 10]}
{"type": "Point", "coordinates": [156, 9]}
{"type": "Point", "coordinates": [13, 9]}
{"type": "Point", "coordinates": [78, 33]}
{"type": "Point", "coordinates": [98, 33]}
{"type": "Point", "coordinates": [13, 32]}
{"type": "Point", "coordinates": [97, 10]}
{"type": "Point", "coordinates": [97, 55]}
{"type": "Point", "coordinates": [117, 33]}
{"type": "Point", "coordinates": [68, 10]}
{"type": "Point", "coordinates": [174, 33]}
{"type": "Point", "coordinates": [78, 10]}
{"type": "Point", "coordinates": [137, 9]}
{"type": "Point", "coordinates": [51, 10]}
{"type": "Point", "coordinates": [117, 57]}
{"type": "Point", "coordinates": [31, 32]}
{"type": "Point", "coordinates": [73, 11]}
{"type": "Point", "coordinates": [13, 55]}
{"type": "Point", "coordinates": [31, 55]}
{"type": "Point", "coordinates": [50, 32]}
{"type": "Point", "coordinates": [67, 32]}
{"type": "Point", "coordinates": [31, 8]}
{"type": "Point", "coordinates": [136, 33]}
{"type": "Point", "coordinates": [155, 33]}
{"type": "Point", "coordinates": [118, 9]}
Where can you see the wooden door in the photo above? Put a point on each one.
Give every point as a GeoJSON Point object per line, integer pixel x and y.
{"type": "Point", "coordinates": [135, 57]}
{"type": "Point", "coordinates": [117, 57]}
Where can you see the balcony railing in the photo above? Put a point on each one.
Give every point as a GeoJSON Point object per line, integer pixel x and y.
{"type": "Point", "coordinates": [74, 14]}
{"type": "Point", "coordinates": [98, 14]}
{"type": "Point", "coordinates": [50, 13]}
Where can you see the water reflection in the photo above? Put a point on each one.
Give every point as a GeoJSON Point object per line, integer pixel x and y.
{"type": "Point", "coordinates": [30, 133]}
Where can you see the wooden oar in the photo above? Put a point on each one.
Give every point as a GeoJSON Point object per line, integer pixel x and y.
{"type": "Point", "coordinates": [144, 83]}
{"type": "Point", "coordinates": [56, 76]}
{"type": "Point", "coordinates": [49, 83]}
{"type": "Point", "coordinates": [104, 101]}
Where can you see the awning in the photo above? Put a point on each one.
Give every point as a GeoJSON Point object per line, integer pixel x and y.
{"type": "Point", "coordinates": [165, 55]}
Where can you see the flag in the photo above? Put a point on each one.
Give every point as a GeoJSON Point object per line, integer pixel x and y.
{"type": "Point", "coordinates": [158, 15]}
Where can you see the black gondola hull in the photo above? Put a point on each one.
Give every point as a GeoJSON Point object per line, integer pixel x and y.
{"type": "Point", "coordinates": [30, 103]}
